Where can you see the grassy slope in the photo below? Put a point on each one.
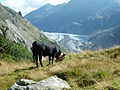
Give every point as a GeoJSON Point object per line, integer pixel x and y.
{"type": "Point", "coordinates": [89, 70]}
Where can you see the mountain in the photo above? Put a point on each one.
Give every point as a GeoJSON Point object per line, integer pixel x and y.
{"type": "Point", "coordinates": [38, 15]}
{"type": "Point", "coordinates": [105, 39]}
{"type": "Point", "coordinates": [78, 17]}
{"type": "Point", "coordinates": [15, 28]}
{"type": "Point", "coordinates": [95, 24]}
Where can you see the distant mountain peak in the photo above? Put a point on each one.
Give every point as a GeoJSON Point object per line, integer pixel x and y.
{"type": "Point", "coordinates": [46, 6]}
{"type": "Point", "coordinates": [43, 12]}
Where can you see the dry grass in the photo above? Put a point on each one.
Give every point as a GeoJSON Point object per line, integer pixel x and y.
{"type": "Point", "coordinates": [8, 67]}
{"type": "Point", "coordinates": [87, 71]}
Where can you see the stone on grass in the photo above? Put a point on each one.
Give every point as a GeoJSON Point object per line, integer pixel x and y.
{"type": "Point", "coordinates": [51, 83]}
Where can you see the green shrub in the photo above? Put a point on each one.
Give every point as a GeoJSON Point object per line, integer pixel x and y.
{"type": "Point", "coordinates": [61, 75]}
{"type": "Point", "coordinates": [111, 88]}
{"type": "Point", "coordinates": [85, 80]}
{"type": "Point", "coordinates": [99, 75]}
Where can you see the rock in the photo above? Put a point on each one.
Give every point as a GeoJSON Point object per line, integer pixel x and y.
{"type": "Point", "coordinates": [22, 84]}
{"type": "Point", "coordinates": [51, 83]}
{"type": "Point", "coordinates": [25, 82]}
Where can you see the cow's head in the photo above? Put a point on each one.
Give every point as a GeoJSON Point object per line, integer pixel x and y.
{"type": "Point", "coordinates": [58, 55]}
{"type": "Point", "coordinates": [62, 57]}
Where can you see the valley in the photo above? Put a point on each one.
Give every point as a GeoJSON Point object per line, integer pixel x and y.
{"type": "Point", "coordinates": [76, 43]}
{"type": "Point", "coordinates": [72, 42]}
{"type": "Point", "coordinates": [96, 26]}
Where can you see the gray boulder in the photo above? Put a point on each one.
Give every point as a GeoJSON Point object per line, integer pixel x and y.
{"type": "Point", "coordinates": [22, 84]}
{"type": "Point", "coordinates": [51, 83]}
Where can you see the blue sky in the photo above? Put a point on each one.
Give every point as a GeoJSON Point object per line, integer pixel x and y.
{"type": "Point", "coordinates": [25, 6]}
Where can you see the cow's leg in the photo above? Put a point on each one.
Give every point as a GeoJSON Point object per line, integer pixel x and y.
{"type": "Point", "coordinates": [49, 59]}
{"type": "Point", "coordinates": [52, 59]}
{"type": "Point", "coordinates": [40, 60]}
{"type": "Point", "coordinates": [36, 60]}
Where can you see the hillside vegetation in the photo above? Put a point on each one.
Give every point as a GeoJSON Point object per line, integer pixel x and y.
{"type": "Point", "coordinates": [11, 51]}
{"type": "Point", "coordinates": [87, 71]}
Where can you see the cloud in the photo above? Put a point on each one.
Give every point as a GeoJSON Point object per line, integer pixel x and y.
{"type": "Point", "coordinates": [26, 6]}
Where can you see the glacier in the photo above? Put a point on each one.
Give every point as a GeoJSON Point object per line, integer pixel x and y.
{"type": "Point", "coordinates": [72, 42]}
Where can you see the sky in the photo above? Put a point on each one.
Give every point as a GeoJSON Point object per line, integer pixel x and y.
{"type": "Point", "coordinates": [26, 6]}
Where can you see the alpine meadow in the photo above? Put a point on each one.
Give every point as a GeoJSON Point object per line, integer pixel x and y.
{"type": "Point", "coordinates": [60, 45]}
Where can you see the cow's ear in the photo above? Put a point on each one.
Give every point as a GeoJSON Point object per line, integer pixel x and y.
{"type": "Point", "coordinates": [64, 54]}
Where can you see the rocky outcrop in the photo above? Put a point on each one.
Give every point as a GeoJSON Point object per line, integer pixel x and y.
{"type": "Point", "coordinates": [14, 27]}
{"type": "Point", "coordinates": [51, 83]}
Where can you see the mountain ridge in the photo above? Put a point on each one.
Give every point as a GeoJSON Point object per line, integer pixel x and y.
{"type": "Point", "coordinates": [14, 27]}
{"type": "Point", "coordinates": [43, 12]}
{"type": "Point", "coordinates": [81, 17]}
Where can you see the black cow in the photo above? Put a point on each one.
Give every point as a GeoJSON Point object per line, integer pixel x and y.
{"type": "Point", "coordinates": [43, 48]}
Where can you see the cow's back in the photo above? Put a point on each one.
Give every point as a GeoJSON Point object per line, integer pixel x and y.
{"type": "Point", "coordinates": [38, 47]}
{"type": "Point", "coordinates": [45, 48]}
{"type": "Point", "coordinates": [51, 48]}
